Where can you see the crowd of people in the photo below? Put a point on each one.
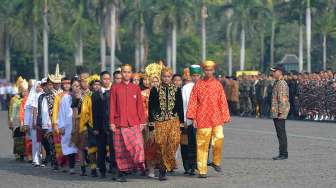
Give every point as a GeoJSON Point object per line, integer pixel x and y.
{"type": "Point", "coordinates": [6, 92]}
{"type": "Point", "coordinates": [132, 124]}
{"type": "Point", "coordinates": [312, 95]}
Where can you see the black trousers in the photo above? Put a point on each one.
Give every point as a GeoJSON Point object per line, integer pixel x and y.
{"type": "Point", "coordinates": [188, 152]}
{"type": "Point", "coordinates": [280, 127]}
{"type": "Point", "coordinates": [105, 139]}
{"type": "Point", "coordinates": [72, 160]}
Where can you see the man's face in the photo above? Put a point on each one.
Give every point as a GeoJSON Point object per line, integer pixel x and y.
{"type": "Point", "coordinates": [56, 86]}
{"type": "Point", "coordinates": [106, 80]}
{"type": "Point", "coordinates": [25, 93]}
{"type": "Point", "coordinates": [126, 74]}
{"type": "Point", "coordinates": [117, 78]}
{"type": "Point", "coordinates": [209, 72]}
{"type": "Point", "coordinates": [155, 82]}
{"type": "Point", "coordinates": [30, 84]}
{"type": "Point", "coordinates": [38, 88]}
{"type": "Point", "coordinates": [66, 86]}
{"type": "Point", "coordinates": [50, 86]}
{"type": "Point", "coordinates": [84, 84]}
{"type": "Point", "coordinates": [177, 81]}
{"type": "Point", "coordinates": [136, 81]}
{"type": "Point", "coordinates": [276, 74]}
{"type": "Point", "coordinates": [166, 77]}
{"type": "Point", "coordinates": [96, 86]}
{"type": "Point", "coordinates": [195, 77]}
{"type": "Point", "coordinates": [76, 87]}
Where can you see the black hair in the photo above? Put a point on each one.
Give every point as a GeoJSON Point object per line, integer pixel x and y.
{"type": "Point", "coordinates": [177, 75]}
{"type": "Point", "coordinates": [116, 72]}
{"type": "Point", "coordinates": [75, 79]}
{"type": "Point", "coordinates": [81, 70]}
{"type": "Point", "coordinates": [104, 72]}
{"type": "Point", "coordinates": [65, 78]}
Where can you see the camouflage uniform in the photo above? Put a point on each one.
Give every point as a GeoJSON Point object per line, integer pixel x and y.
{"type": "Point", "coordinates": [244, 98]}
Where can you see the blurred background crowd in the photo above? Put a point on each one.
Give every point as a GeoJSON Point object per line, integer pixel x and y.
{"type": "Point", "coordinates": [312, 95]}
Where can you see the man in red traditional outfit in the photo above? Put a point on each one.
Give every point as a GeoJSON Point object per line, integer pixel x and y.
{"type": "Point", "coordinates": [208, 109]}
{"type": "Point", "coordinates": [127, 120]}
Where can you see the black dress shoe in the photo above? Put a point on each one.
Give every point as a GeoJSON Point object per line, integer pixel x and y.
{"type": "Point", "coordinates": [280, 157]}
{"type": "Point", "coordinates": [192, 172]}
{"type": "Point", "coordinates": [121, 178]}
{"type": "Point", "coordinates": [102, 175]}
{"type": "Point", "coordinates": [162, 175]}
{"type": "Point", "coordinates": [202, 176]}
{"type": "Point", "coordinates": [218, 169]}
{"type": "Point", "coordinates": [83, 171]}
{"type": "Point", "coordinates": [94, 173]}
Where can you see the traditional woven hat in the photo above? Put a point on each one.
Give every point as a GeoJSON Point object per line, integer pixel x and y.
{"type": "Point", "coordinates": [57, 77]}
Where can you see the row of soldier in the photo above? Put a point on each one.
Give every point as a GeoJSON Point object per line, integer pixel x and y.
{"type": "Point", "coordinates": [312, 95]}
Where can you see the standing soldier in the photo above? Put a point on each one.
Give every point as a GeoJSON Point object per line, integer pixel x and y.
{"type": "Point", "coordinates": [280, 109]}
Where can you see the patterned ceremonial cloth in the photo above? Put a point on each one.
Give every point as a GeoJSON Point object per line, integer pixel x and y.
{"type": "Point", "coordinates": [208, 104]}
{"type": "Point", "coordinates": [280, 100]}
{"type": "Point", "coordinates": [167, 137]}
{"type": "Point", "coordinates": [129, 149]}
{"type": "Point", "coordinates": [151, 149]}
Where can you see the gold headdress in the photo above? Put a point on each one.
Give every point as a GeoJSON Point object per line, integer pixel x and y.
{"type": "Point", "coordinates": [57, 77]}
{"type": "Point", "coordinates": [21, 84]}
{"type": "Point", "coordinates": [93, 78]}
{"type": "Point", "coordinates": [136, 75]}
{"type": "Point", "coordinates": [154, 70]}
{"type": "Point", "coordinates": [208, 64]}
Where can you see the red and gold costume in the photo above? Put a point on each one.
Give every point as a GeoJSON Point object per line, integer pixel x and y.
{"type": "Point", "coordinates": [208, 108]}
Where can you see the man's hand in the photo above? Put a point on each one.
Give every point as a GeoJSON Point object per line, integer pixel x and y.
{"type": "Point", "coordinates": [195, 124]}
{"type": "Point", "coordinates": [142, 126]}
{"type": "Point", "coordinates": [10, 125]}
{"type": "Point", "coordinates": [61, 131]}
{"type": "Point", "coordinates": [112, 127]}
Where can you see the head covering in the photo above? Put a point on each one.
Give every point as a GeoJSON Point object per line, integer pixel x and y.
{"type": "Point", "coordinates": [278, 68]}
{"type": "Point", "coordinates": [94, 78]}
{"type": "Point", "coordinates": [154, 70]}
{"type": "Point", "coordinates": [186, 74]}
{"type": "Point", "coordinates": [33, 95]}
{"type": "Point", "coordinates": [57, 77]}
{"type": "Point", "coordinates": [21, 84]}
{"type": "Point", "coordinates": [195, 69]}
{"type": "Point", "coordinates": [208, 64]}
{"type": "Point", "coordinates": [44, 80]}
{"type": "Point", "coordinates": [136, 76]}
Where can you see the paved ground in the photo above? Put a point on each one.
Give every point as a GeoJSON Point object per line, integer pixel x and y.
{"type": "Point", "coordinates": [249, 146]}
